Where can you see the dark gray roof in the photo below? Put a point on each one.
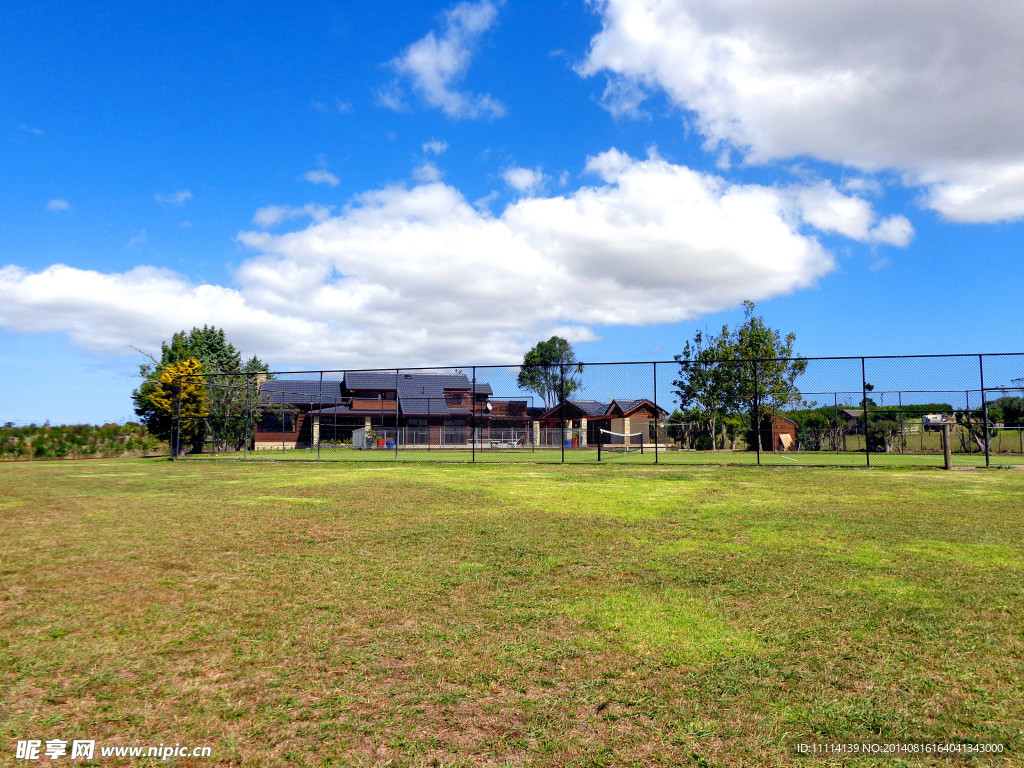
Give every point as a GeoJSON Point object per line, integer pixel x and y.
{"type": "Point", "coordinates": [339, 410]}
{"type": "Point", "coordinates": [419, 394]}
{"type": "Point", "coordinates": [590, 407]}
{"type": "Point", "coordinates": [386, 380]}
{"type": "Point", "coordinates": [629, 405]}
{"type": "Point", "coordinates": [370, 380]}
{"type": "Point", "coordinates": [300, 391]}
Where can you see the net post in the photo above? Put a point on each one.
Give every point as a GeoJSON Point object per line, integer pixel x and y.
{"type": "Point", "coordinates": [319, 414]}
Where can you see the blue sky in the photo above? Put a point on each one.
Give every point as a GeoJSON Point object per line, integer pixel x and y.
{"type": "Point", "coordinates": [361, 184]}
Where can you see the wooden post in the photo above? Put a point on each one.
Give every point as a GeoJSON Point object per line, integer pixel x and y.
{"type": "Point", "coordinates": [947, 453]}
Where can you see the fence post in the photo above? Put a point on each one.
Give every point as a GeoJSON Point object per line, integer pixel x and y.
{"type": "Point", "coordinates": [947, 453]}
{"type": "Point", "coordinates": [655, 366]}
{"type": "Point", "coordinates": [246, 420]}
{"type": "Point", "coordinates": [472, 415]}
{"type": "Point", "coordinates": [835, 413]}
{"type": "Point", "coordinates": [397, 376]}
{"type": "Point", "coordinates": [903, 436]}
{"type": "Point", "coordinates": [561, 406]}
{"type": "Point", "coordinates": [967, 420]}
{"type": "Point", "coordinates": [984, 410]}
{"type": "Point", "coordinates": [176, 420]}
{"type": "Point", "coordinates": [757, 416]}
{"type": "Point", "coordinates": [864, 403]}
{"type": "Point", "coordinates": [319, 414]}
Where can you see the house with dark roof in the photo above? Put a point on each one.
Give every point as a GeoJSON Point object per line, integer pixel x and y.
{"type": "Point", "coordinates": [587, 418]}
{"type": "Point", "coordinates": [414, 408]}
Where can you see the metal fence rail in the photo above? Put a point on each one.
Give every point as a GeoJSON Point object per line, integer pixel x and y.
{"type": "Point", "coordinates": [841, 411]}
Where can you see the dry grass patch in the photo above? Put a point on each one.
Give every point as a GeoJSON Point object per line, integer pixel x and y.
{"type": "Point", "coordinates": [496, 615]}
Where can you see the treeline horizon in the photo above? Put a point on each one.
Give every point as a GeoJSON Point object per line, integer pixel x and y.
{"type": "Point", "coordinates": [75, 441]}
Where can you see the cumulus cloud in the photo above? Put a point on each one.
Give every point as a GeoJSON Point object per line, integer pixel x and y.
{"type": "Point", "coordinates": [174, 198]}
{"type": "Point", "coordinates": [57, 205]}
{"type": "Point", "coordinates": [933, 91]}
{"type": "Point", "coordinates": [418, 275]}
{"type": "Point", "coordinates": [825, 208]}
{"type": "Point", "coordinates": [524, 180]}
{"type": "Point", "coordinates": [103, 313]}
{"type": "Point", "coordinates": [321, 177]}
{"type": "Point", "coordinates": [435, 63]}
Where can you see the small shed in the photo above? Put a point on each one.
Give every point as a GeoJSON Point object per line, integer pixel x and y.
{"type": "Point", "coordinates": [777, 433]}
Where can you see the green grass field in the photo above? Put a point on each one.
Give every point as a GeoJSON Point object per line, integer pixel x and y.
{"type": "Point", "coordinates": [850, 458]}
{"type": "Point", "coordinates": [522, 615]}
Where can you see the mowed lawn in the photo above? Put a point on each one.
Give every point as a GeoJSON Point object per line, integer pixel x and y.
{"type": "Point", "coordinates": [486, 615]}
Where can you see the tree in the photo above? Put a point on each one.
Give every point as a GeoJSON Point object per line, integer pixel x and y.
{"type": "Point", "coordinates": [749, 369]}
{"type": "Point", "coordinates": [706, 385]}
{"type": "Point", "coordinates": [231, 386]}
{"type": "Point", "coordinates": [179, 396]}
{"type": "Point", "coordinates": [551, 370]}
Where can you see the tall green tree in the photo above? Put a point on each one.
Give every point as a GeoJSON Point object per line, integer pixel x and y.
{"type": "Point", "coordinates": [552, 371]}
{"type": "Point", "coordinates": [707, 381]}
{"type": "Point", "coordinates": [749, 369]}
{"type": "Point", "coordinates": [231, 386]}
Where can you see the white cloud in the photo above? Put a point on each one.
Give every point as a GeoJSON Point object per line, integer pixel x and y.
{"type": "Point", "coordinates": [405, 276]}
{"type": "Point", "coordinates": [435, 147]}
{"type": "Point", "coordinates": [436, 63]}
{"type": "Point", "coordinates": [269, 215]}
{"type": "Point", "coordinates": [139, 238]}
{"type": "Point", "coordinates": [826, 209]}
{"type": "Point", "coordinates": [524, 180]}
{"type": "Point", "coordinates": [58, 205]}
{"type": "Point", "coordinates": [337, 106]}
{"type": "Point", "coordinates": [427, 173]}
{"type": "Point", "coordinates": [104, 313]}
{"type": "Point", "coordinates": [930, 90]}
{"type": "Point", "coordinates": [623, 97]}
{"type": "Point", "coordinates": [321, 177]}
{"type": "Point", "coordinates": [175, 198]}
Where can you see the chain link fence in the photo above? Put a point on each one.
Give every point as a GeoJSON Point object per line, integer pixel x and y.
{"type": "Point", "coordinates": [863, 411]}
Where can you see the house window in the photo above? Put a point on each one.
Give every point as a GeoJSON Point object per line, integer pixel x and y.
{"type": "Point", "coordinates": [277, 422]}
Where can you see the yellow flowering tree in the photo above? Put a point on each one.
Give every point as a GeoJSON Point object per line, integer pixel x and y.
{"type": "Point", "coordinates": [190, 407]}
